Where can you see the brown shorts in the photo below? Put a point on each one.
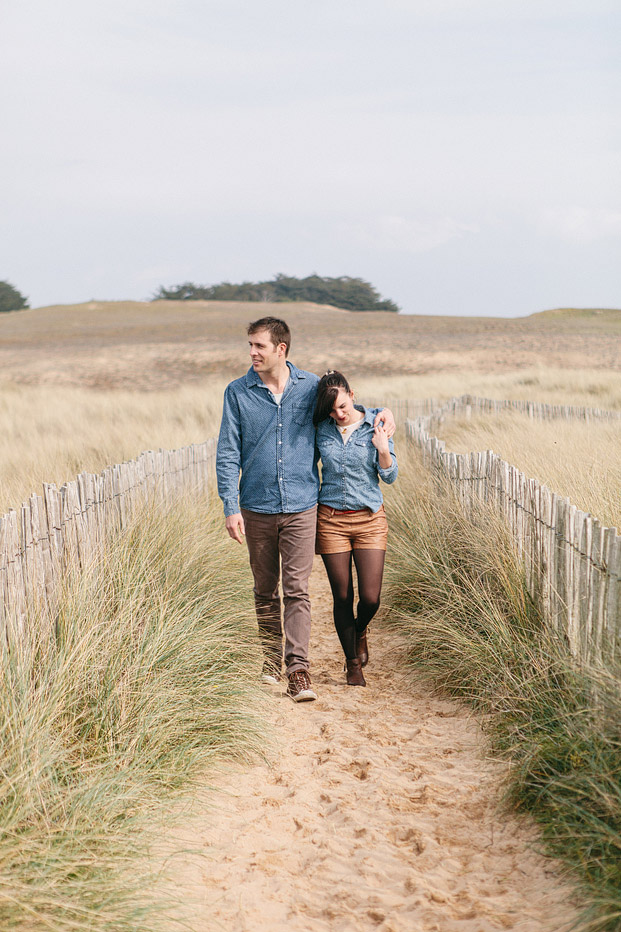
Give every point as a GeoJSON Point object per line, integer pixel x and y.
{"type": "Point", "coordinates": [360, 530]}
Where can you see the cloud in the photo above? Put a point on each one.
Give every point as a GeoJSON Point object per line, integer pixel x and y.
{"type": "Point", "coordinates": [581, 224]}
{"type": "Point", "coordinates": [398, 234]}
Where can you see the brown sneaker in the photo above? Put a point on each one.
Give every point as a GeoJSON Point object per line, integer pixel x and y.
{"type": "Point", "coordinates": [299, 688]}
{"type": "Point", "coordinates": [362, 648]}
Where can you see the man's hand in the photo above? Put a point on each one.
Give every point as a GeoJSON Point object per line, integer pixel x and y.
{"type": "Point", "coordinates": [386, 416]}
{"type": "Point", "coordinates": [235, 527]}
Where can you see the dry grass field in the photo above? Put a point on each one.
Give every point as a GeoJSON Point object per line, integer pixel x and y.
{"type": "Point", "coordinates": [55, 432]}
{"type": "Point", "coordinates": [162, 345]}
{"type": "Point", "coordinates": [581, 461]}
{"type": "Point", "coordinates": [85, 385]}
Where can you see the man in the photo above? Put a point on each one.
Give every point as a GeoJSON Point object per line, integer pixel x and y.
{"type": "Point", "coordinates": [267, 433]}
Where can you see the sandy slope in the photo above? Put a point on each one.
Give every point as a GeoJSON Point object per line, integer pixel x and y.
{"type": "Point", "coordinates": [379, 812]}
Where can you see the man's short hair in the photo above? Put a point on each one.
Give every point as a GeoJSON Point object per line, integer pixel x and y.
{"type": "Point", "coordinates": [277, 329]}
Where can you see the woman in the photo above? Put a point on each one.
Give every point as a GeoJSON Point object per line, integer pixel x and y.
{"type": "Point", "coordinates": [351, 520]}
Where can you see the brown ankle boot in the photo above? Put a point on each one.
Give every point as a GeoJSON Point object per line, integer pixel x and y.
{"type": "Point", "coordinates": [362, 649]}
{"type": "Point", "coordinates": [354, 673]}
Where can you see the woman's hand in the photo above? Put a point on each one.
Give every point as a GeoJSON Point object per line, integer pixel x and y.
{"type": "Point", "coordinates": [386, 417]}
{"type": "Point", "coordinates": [380, 438]}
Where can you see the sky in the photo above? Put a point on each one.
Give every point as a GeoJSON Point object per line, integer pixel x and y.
{"type": "Point", "coordinates": [464, 156]}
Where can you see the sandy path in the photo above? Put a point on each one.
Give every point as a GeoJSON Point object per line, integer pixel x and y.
{"type": "Point", "coordinates": [378, 813]}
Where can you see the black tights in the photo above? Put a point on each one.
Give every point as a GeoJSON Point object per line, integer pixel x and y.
{"type": "Point", "coordinates": [369, 570]}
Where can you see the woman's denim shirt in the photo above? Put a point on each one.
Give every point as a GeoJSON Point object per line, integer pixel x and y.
{"type": "Point", "coordinates": [351, 471]}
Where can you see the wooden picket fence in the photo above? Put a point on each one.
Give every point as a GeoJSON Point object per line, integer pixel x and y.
{"type": "Point", "coordinates": [572, 562]}
{"type": "Point", "coordinates": [468, 405]}
{"type": "Point", "coordinates": [64, 529]}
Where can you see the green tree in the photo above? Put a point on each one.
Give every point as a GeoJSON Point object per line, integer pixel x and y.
{"type": "Point", "coordinates": [352, 294]}
{"type": "Point", "coordinates": [11, 299]}
{"type": "Point", "coordinates": [186, 292]}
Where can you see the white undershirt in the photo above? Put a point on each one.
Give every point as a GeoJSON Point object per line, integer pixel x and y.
{"type": "Point", "coordinates": [347, 431]}
{"type": "Point", "coordinates": [278, 397]}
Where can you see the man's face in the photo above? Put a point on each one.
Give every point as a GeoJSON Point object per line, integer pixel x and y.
{"type": "Point", "coordinates": [264, 354]}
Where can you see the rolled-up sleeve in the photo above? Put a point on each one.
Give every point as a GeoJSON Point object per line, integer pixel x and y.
{"type": "Point", "coordinates": [390, 474]}
{"type": "Point", "coordinates": [228, 455]}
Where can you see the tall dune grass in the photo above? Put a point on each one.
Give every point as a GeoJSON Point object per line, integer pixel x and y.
{"type": "Point", "coordinates": [148, 677]}
{"type": "Point", "coordinates": [51, 433]}
{"type": "Point", "coordinates": [579, 460]}
{"type": "Point", "coordinates": [457, 593]}
{"type": "Point", "coordinates": [591, 388]}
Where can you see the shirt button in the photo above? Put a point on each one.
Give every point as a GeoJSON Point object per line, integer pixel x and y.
{"type": "Point", "coordinates": [280, 461]}
{"type": "Point", "coordinates": [280, 441]}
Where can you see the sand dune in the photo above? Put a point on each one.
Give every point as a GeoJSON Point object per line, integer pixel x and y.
{"type": "Point", "coordinates": [155, 346]}
{"type": "Point", "coordinates": [379, 811]}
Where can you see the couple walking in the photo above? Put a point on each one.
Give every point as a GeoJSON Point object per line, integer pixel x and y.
{"type": "Point", "coordinates": [277, 422]}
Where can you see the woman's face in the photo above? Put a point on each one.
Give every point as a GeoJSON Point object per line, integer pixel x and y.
{"type": "Point", "coordinates": [343, 411]}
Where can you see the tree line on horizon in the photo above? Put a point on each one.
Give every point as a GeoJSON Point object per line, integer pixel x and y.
{"type": "Point", "coordinates": [350, 294]}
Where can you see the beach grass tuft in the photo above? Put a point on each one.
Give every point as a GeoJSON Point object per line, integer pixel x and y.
{"type": "Point", "coordinates": [146, 679]}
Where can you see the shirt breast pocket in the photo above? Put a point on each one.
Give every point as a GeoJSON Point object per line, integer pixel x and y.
{"type": "Point", "coordinates": [329, 447]}
{"type": "Point", "coordinates": [302, 414]}
{"type": "Point", "coordinates": [364, 450]}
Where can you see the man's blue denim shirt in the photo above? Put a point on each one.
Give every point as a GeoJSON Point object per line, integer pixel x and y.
{"type": "Point", "coordinates": [349, 471]}
{"type": "Point", "coordinates": [272, 444]}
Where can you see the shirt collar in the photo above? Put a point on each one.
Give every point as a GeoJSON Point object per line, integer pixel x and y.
{"type": "Point", "coordinates": [252, 377]}
{"type": "Point", "coordinates": [368, 417]}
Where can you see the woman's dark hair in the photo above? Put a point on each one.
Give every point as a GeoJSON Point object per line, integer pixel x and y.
{"type": "Point", "coordinates": [327, 392]}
